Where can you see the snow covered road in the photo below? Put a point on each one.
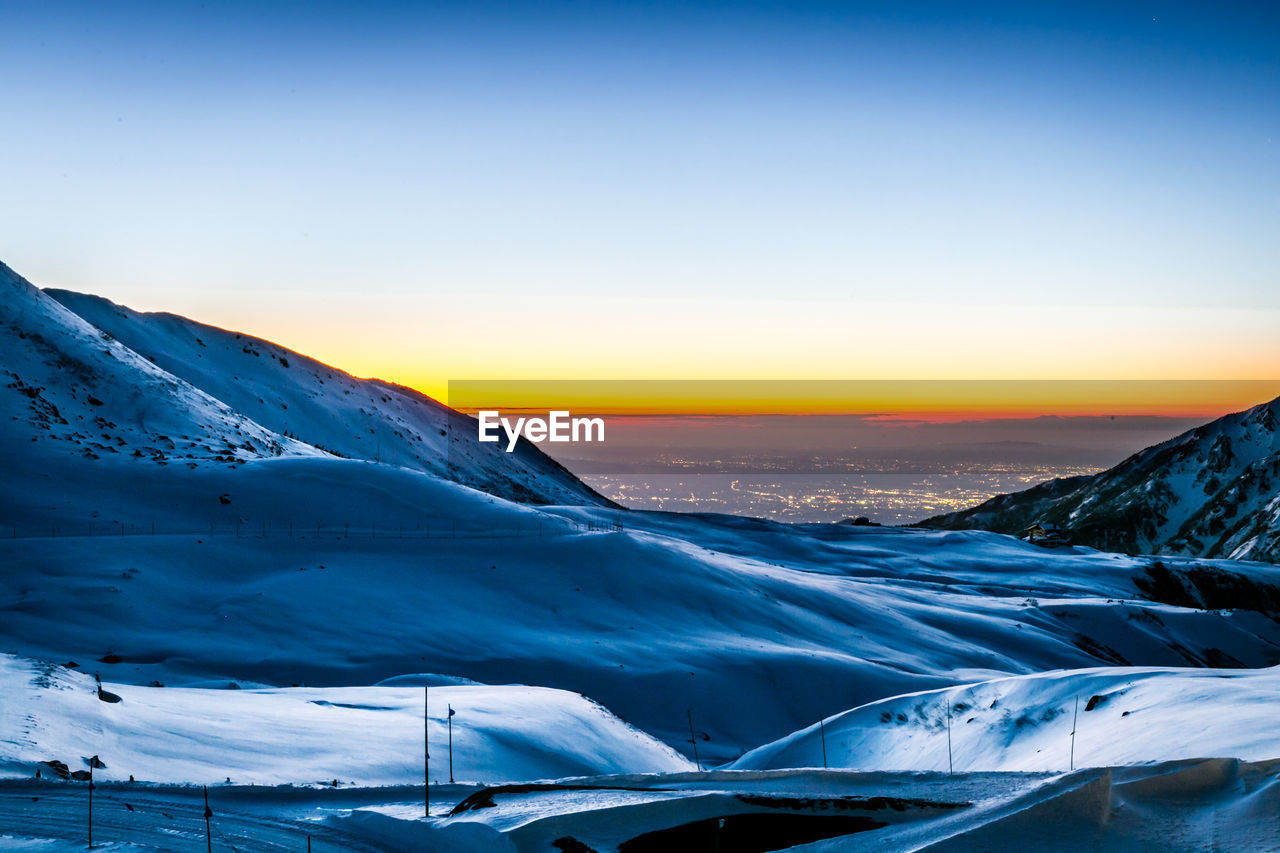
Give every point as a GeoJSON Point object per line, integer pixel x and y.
{"type": "Point", "coordinates": [136, 817]}
{"type": "Point", "coordinates": [1218, 804]}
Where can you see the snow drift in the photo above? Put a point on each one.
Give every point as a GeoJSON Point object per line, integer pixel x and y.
{"type": "Point", "coordinates": [1048, 721]}
{"type": "Point", "coordinates": [303, 736]}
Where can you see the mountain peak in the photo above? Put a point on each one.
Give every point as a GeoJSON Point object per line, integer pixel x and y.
{"type": "Point", "coordinates": [1210, 492]}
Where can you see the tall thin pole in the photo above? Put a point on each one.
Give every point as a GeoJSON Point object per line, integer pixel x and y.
{"type": "Point", "coordinates": [822, 730]}
{"type": "Point", "coordinates": [1074, 718]}
{"type": "Point", "coordinates": [208, 833]}
{"type": "Point", "coordinates": [450, 719]}
{"type": "Point", "coordinates": [693, 739]}
{"type": "Point", "coordinates": [951, 767]}
{"type": "Point", "coordinates": [91, 763]}
{"type": "Point", "coordinates": [426, 751]}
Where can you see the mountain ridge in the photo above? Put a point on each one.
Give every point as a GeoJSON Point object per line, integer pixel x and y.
{"type": "Point", "coordinates": [63, 377]}
{"type": "Point", "coordinates": [276, 397]}
{"type": "Point", "coordinates": [1213, 491]}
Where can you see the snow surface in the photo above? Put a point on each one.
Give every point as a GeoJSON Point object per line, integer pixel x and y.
{"type": "Point", "coordinates": [72, 389]}
{"type": "Point", "coordinates": [284, 564]}
{"type": "Point", "coordinates": [1219, 804]}
{"type": "Point", "coordinates": [649, 623]}
{"type": "Point", "coordinates": [328, 408]}
{"type": "Point", "coordinates": [189, 506]}
{"type": "Point", "coordinates": [357, 735]}
{"type": "Point", "coordinates": [1120, 715]}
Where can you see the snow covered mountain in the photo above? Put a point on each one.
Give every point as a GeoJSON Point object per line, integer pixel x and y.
{"type": "Point", "coordinates": [327, 408]}
{"type": "Point", "coordinates": [1211, 492]}
{"type": "Point", "coordinates": [190, 507]}
{"type": "Point", "coordinates": [284, 546]}
{"type": "Point", "coordinates": [102, 382]}
{"type": "Point", "coordinates": [267, 558]}
{"type": "Point", "coordinates": [72, 390]}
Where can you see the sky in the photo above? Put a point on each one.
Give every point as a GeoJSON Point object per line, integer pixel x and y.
{"type": "Point", "coordinates": [431, 192]}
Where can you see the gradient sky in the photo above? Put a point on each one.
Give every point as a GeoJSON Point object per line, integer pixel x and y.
{"type": "Point", "coordinates": [427, 192]}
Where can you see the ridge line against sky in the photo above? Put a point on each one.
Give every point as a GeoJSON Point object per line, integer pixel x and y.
{"type": "Point", "coordinates": [423, 192]}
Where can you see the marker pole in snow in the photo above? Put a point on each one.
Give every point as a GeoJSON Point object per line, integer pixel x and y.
{"type": "Point", "coordinates": [450, 719]}
{"type": "Point", "coordinates": [693, 739]}
{"type": "Point", "coordinates": [91, 763]}
{"type": "Point", "coordinates": [426, 751]}
{"type": "Point", "coordinates": [951, 767]}
{"type": "Point", "coordinates": [1074, 718]}
{"type": "Point", "coordinates": [208, 813]}
{"type": "Point", "coordinates": [822, 730]}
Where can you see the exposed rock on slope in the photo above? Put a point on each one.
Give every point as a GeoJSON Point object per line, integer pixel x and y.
{"type": "Point", "coordinates": [330, 409]}
{"type": "Point", "coordinates": [1211, 492]}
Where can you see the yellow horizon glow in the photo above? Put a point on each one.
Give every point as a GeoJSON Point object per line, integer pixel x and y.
{"type": "Point", "coordinates": [929, 399]}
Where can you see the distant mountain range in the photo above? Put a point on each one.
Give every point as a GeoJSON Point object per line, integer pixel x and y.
{"type": "Point", "coordinates": [1213, 491]}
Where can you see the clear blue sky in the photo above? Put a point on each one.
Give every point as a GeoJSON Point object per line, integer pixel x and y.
{"type": "Point", "coordinates": [435, 191]}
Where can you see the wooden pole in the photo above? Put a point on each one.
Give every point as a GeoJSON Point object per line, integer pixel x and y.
{"type": "Point", "coordinates": [450, 719]}
{"type": "Point", "coordinates": [208, 833]}
{"type": "Point", "coordinates": [822, 730]}
{"type": "Point", "coordinates": [91, 763]}
{"type": "Point", "coordinates": [693, 739]}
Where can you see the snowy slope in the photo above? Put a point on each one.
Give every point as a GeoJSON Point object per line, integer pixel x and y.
{"type": "Point", "coordinates": [330, 409]}
{"type": "Point", "coordinates": [1218, 804]}
{"type": "Point", "coordinates": [1211, 804]}
{"type": "Point", "coordinates": [308, 568]}
{"type": "Point", "coordinates": [184, 505]}
{"type": "Point", "coordinates": [1212, 492]}
{"type": "Point", "coordinates": [357, 735]}
{"type": "Point", "coordinates": [71, 390]}
{"type": "Point", "coordinates": [756, 630]}
{"type": "Point", "coordinates": [1124, 715]}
